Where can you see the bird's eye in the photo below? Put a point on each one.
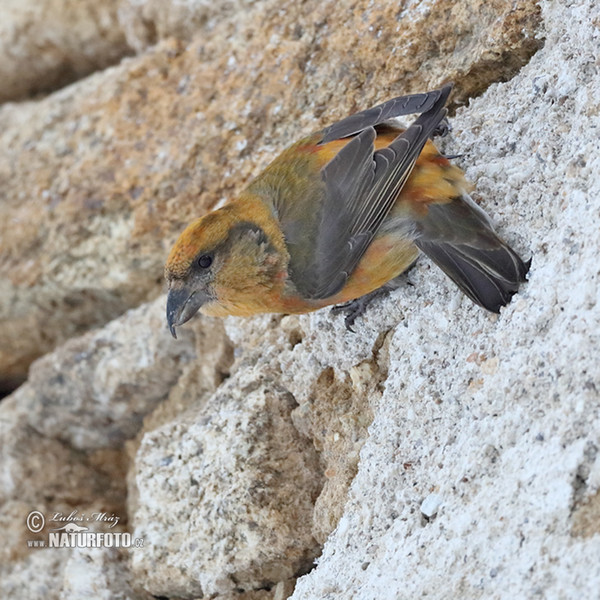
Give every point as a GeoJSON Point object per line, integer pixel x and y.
{"type": "Point", "coordinates": [205, 261]}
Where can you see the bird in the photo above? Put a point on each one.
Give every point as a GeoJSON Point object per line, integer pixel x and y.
{"type": "Point", "coordinates": [336, 218]}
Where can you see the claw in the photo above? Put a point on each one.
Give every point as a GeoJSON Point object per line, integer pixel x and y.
{"type": "Point", "coordinates": [357, 307]}
{"type": "Point", "coordinates": [348, 322]}
{"type": "Point", "coordinates": [442, 129]}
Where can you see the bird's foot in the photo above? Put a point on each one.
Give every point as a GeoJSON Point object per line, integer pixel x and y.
{"type": "Point", "coordinates": [357, 307]}
{"type": "Point", "coordinates": [442, 129]}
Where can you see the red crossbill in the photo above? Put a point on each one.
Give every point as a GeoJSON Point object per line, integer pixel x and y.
{"type": "Point", "coordinates": [336, 217]}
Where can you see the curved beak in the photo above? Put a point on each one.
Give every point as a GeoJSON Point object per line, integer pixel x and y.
{"type": "Point", "coordinates": [182, 305]}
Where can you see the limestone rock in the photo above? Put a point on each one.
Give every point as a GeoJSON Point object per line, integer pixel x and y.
{"type": "Point", "coordinates": [61, 439]}
{"type": "Point", "coordinates": [500, 416]}
{"type": "Point", "coordinates": [46, 44]}
{"type": "Point", "coordinates": [99, 573]}
{"type": "Point", "coordinates": [336, 381]}
{"type": "Point", "coordinates": [145, 22]}
{"type": "Point", "coordinates": [47, 476]}
{"type": "Point", "coordinates": [94, 391]}
{"type": "Point", "coordinates": [281, 432]}
{"type": "Point", "coordinates": [225, 494]}
{"type": "Point", "coordinates": [98, 179]}
{"type": "Point", "coordinates": [333, 412]}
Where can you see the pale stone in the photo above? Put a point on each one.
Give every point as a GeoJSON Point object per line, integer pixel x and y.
{"type": "Point", "coordinates": [45, 475]}
{"type": "Point", "coordinates": [94, 391]}
{"type": "Point", "coordinates": [46, 44]}
{"type": "Point", "coordinates": [516, 457]}
{"type": "Point", "coordinates": [431, 505]}
{"type": "Point", "coordinates": [56, 435]}
{"type": "Point", "coordinates": [101, 574]}
{"type": "Point", "coordinates": [145, 22]}
{"type": "Point", "coordinates": [225, 494]}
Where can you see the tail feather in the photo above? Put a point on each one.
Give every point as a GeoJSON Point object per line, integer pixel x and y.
{"type": "Point", "coordinates": [483, 266]}
{"type": "Point", "coordinates": [481, 274]}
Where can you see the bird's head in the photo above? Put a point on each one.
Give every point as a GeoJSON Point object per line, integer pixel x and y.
{"type": "Point", "coordinates": [222, 264]}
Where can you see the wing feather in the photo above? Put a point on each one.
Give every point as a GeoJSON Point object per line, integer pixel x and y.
{"type": "Point", "coordinates": [361, 186]}
{"type": "Point", "coordinates": [397, 107]}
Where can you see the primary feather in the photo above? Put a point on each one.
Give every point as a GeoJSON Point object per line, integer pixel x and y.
{"type": "Point", "coordinates": [361, 186]}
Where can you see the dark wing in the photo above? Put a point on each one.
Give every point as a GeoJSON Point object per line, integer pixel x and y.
{"type": "Point", "coordinates": [459, 238]}
{"type": "Point", "coordinates": [397, 107]}
{"type": "Point", "coordinates": [361, 186]}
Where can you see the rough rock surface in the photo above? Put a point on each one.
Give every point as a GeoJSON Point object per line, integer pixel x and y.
{"type": "Point", "coordinates": [45, 44]}
{"type": "Point", "coordinates": [98, 179]}
{"type": "Point", "coordinates": [94, 391]}
{"type": "Point", "coordinates": [499, 416]}
{"type": "Point", "coordinates": [225, 494]}
{"type": "Point", "coordinates": [441, 451]}
{"type": "Point", "coordinates": [61, 450]}
{"type": "Point", "coordinates": [101, 574]}
{"type": "Point", "coordinates": [46, 475]}
{"type": "Point", "coordinates": [145, 22]}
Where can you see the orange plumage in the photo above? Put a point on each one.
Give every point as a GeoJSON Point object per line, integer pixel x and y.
{"type": "Point", "coordinates": [336, 217]}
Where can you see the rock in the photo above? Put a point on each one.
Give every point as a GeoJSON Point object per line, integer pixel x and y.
{"type": "Point", "coordinates": [99, 573]}
{"type": "Point", "coordinates": [225, 494]}
{"type": "Point", "coordinates": [512, 449]}
{"type": "Point", "coordinates": [431, 505]}
{"type": "Point", "coordinates": [332, 416]}
{"type": "Point", "coordinates": [46, 44]}
{"type": "Point", "coordinates": [336, 417]}
{"type": "Point", "coordinates": [147, 21]}
{"type": "Point", "coordinates": [313, 359]}
{"type": "Point", "coordinates": [61, 450]}
{"type": "Point", "coordinates": [98, 179]}
{"type": "Point", "coordinates": [46, 475]}
{"type": "Point", "coordinates": [71, 265]}
{"type": "Point", "coordinates": [273, 435]}
{"type": "Point", "coordinates": [94, 391]}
